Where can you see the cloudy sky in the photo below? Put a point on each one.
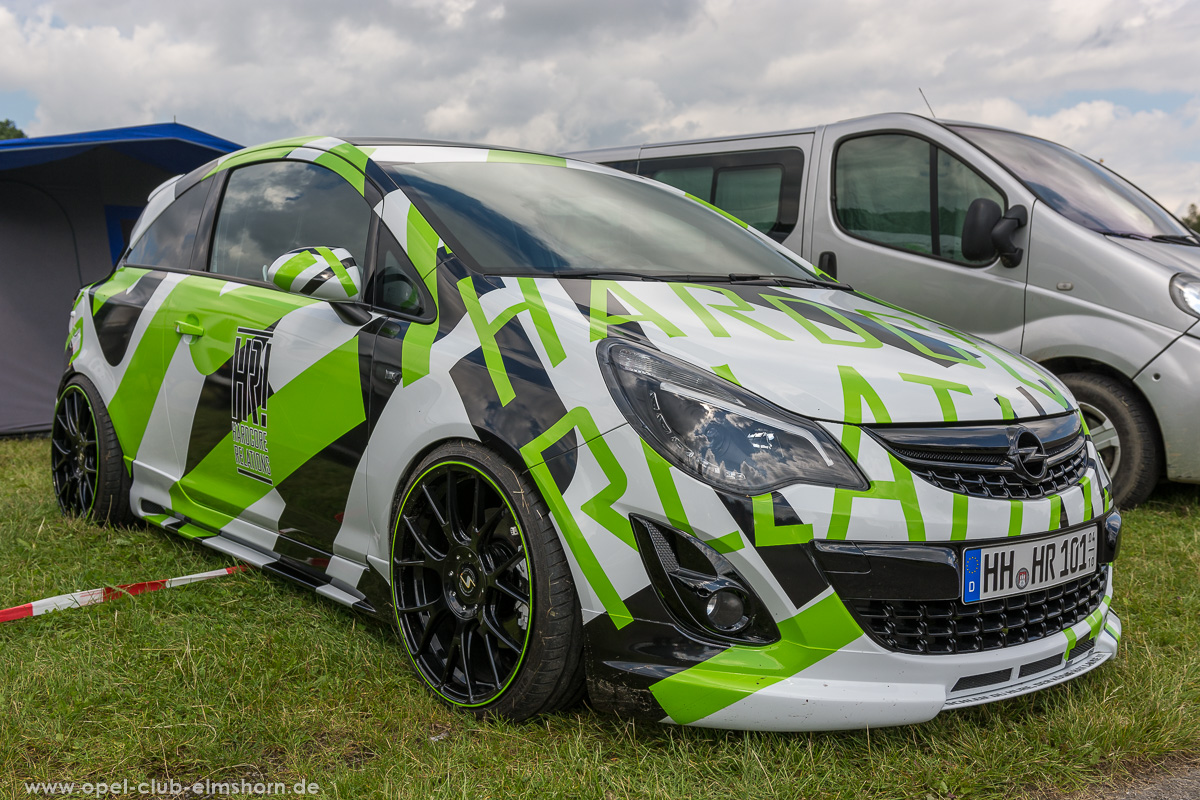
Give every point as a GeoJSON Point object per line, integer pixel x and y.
{"type": "Point", "coordinates": [1115, 79]}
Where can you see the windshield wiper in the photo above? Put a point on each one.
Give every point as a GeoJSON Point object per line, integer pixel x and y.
{"type": "Point", "coordinates": [609, 273]}
{"type": "Point", "coordinates": [788, 280]}
{"type": "Point", "coordinates": [1175, 238]}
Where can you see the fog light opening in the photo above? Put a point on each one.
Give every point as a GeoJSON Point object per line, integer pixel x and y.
{"type": "Point", "coordinates": [726, 611]}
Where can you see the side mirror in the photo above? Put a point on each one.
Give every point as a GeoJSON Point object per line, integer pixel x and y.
{"type": "Point", "coordinates": [324, 273]}
{"type": "Point", "coordinates": [987, 231]}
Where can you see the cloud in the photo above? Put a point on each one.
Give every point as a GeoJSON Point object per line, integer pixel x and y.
{"type": "Point", "coordinates": [553, 75]}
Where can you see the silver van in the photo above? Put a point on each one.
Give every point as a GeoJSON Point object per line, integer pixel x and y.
{"type": "Point", "coordinates": [1005, 235]}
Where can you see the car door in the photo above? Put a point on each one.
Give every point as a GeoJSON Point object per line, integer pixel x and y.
{"type": "Point", "coordinates": [889, 205]}
{"type": "Point", "coordinates": [272, 387]}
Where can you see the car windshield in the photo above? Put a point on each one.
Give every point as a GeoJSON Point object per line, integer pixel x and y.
{"type": "Point", "coordinates": [539, 219]}
{"type": "Point", "coordinates": [1076, 187]}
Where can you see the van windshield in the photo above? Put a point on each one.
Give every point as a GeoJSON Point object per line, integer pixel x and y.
{"type": "Point", "coordinates": [1076, 187]}
{"type": "Point", "coordinates": [541, 219]}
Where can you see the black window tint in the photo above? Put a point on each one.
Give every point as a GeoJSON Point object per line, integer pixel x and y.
{"type": "Point", "coordinates": [696, 181]}
{"type": "Point", "coordinates": [751, 194]}
{"type": "Point", "coordinates": [169, 239]}
{"type": "Point", "coordinates": [887, 186]}
{"type": "Point", "coordinates": [395, 289]}
{"type": "Point", "coordinates": [271, 208]}
{"type": "Point", "coordinates": [883, 192]}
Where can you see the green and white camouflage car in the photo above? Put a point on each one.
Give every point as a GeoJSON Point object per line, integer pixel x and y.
{"type": "Point", "coordinates": [573, 431]}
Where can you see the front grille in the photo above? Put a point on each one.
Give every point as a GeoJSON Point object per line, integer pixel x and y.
{"type": "Point", "coordinates": [983, 460]}
{"type": "Point", "coordinates": [945, 627]}
{"type": "Point", "coordinates": [1004, 483]}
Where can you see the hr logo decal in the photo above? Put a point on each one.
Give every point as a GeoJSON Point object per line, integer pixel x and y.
{"type": "Point", "coordinates": [251, 361]}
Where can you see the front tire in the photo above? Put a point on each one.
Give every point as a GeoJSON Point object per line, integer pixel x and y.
{"type": "Point", "coordinates": [1124, 433]}
{"type": "Point", "coordinates": [483, 593]}
{"type": "Point", "coordinates": [86, 461]}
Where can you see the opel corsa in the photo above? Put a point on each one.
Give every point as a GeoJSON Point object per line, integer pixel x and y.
{"type": "Point", "coordinates": [570, 430]}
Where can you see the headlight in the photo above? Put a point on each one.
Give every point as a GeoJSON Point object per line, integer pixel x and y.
{"type": "Point", "coordinates": [1185, 291]}
{"type": "Point", "coordinates": [716, 431]}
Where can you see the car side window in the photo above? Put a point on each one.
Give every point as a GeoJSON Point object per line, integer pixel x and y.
{"type": "Point", "coordinates": [169, 240]}
{"type": "Point", "coordinates": [696, 181]}
{"type": "Point", "coordinates": [277, 206]}
{"type": "Point", "coordinates": [887, 186]}
{"type": "Point", "coordinates": [394, 287]}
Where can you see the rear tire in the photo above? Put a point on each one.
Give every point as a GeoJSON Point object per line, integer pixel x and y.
{"type": "Point", "coordinates": [86, 462]}
{"type": "Point", "coordinates": [1124, 433]}
{"type": "Point", "coordinates": [483, 593]}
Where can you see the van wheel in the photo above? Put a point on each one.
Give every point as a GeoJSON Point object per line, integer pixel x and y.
{"type": "Point", "coordinates": [1123, 431]}
{"type": "Point", "coordinates": [483, 593]}
{"type": "Point", "coordinates": [86, 462]}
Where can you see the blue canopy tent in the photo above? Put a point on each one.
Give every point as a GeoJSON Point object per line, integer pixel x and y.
{"type": "Point", "coordinates": [67, 205]}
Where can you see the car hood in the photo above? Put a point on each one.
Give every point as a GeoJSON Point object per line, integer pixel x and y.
{"type": "Point", "coordinates": [827, 354]}
{"type": "Point", "coordinates": [1179, 257]}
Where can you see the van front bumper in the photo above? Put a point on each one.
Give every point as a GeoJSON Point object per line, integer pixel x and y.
{"type": "Point", "coordinates": [1171, 383]}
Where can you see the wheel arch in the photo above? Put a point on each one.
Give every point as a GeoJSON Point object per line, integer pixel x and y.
{"type": "Point", "coordinates": [1065, 365]}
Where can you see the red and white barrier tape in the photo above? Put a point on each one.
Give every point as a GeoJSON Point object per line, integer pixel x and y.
{"type": "Point", "coordinates": [90, 597]}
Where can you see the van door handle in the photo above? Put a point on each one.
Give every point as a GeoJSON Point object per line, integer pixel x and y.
{"type": "Point", "coordinates": [184, 327]}
{"type": "Point", "coordinates": [827, 263]}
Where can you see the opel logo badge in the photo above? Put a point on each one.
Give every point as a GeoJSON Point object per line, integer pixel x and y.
{"type": "Point", "coordinates": [1027, 454]}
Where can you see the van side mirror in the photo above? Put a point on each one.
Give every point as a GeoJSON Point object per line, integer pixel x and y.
{"type": "Point", "coordinates": [323, 273]}
{"type": "Point", "coordinates": [988, 231]}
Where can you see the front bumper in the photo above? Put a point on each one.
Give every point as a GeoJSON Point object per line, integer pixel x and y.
{"type": "Point", "coordinates": [824, 673]}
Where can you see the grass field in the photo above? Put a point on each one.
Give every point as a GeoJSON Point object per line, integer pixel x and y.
{"type": "Point", "coordinates": [249, 677]}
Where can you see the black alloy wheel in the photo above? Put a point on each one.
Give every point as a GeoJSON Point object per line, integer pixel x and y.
{"type": "Point", "coordinates": [86, 462]}
{"type": "Point", "coordinates": [470, 575]}
{"type": "Point", "coordinates": [75, 452]}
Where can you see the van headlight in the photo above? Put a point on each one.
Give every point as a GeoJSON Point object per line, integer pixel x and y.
{"type": "Point", "coordinates": [1185, 291]}
{"type": "Point", "coordinates": [716, 431]}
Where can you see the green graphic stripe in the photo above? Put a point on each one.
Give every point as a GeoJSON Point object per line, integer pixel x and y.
{"type": "Point", "coordinates": [816, 632]}
{"type": "Point", "coordinates": [291, 269]}
{"type": "Point", "coordinates": [120, 281]}
{"type": "Point", "coordinates": [729, 543]}
{"type": "Point", "coordinates": [1046, 388]}
{"type": "Point", "coordinates": [941, 390]}
{"type": "Point", "coordinates": [487, 330]}
{"type": "Point", "coordinates": [785, 304]}
{"type": "Point", "coordinates": [857, 391]}
{"type": "Point", "coordinates": [1056, 508]}
{"type": "Point", "coordinates": [1112, 632]}
{"type": "Point", "coordinates": [1006, 408]}
{"type": "Point", "coordinates": [266, 152]}
{"type": "Point", "coordinates": [1085, 484]}
{"type": "Point", "coordinates": [308, 414]}
{"type": "Point", "coordinates": [958, 529]}
{"type": "Point", "coordinates": [513, 157]}
{"type": "Point", "coordinates": [1016, 511]}
{"type": "Point", "coordinates": [533, 452]}
{"type": "Point", "coordinates": [738, 309]}
{"type": "Point", "coordinates": [350, 173]}
{"type": "Point", "coordinates": [421, 245]}
{"type": "Point", "coordinates": [339, 269]}
{"type": "Point", "coordinates": [882, 318]}
{"type": "Point", "coordinates": [668, 492]}
{"type": "Point", "coordinates": [1071, 641]}
{"type": "Point", "coordinates": [720, 211]}
{"type": "Point", "coordinates": [723, 370]}
{"type": "Point", "coordinates": [769, 534]}
{"type": "Point", "coordinates": [600, 319]}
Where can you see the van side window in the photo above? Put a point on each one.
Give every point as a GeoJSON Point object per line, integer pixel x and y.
{"type": "Point", "coordinates": [751, 194]}
{"type": "Point", "coordinates": [696, 181]}
{"type": "Point", "coordinates": [759, 187]}
{"type": "Point", "coordinates": [887, 187]}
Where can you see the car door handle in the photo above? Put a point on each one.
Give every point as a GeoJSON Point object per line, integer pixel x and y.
{"type": "Point", "coordinates": [182, 326]}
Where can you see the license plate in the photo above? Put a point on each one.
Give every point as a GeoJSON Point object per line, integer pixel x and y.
{"type": "Point", "coordinates": [1020, 567]}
